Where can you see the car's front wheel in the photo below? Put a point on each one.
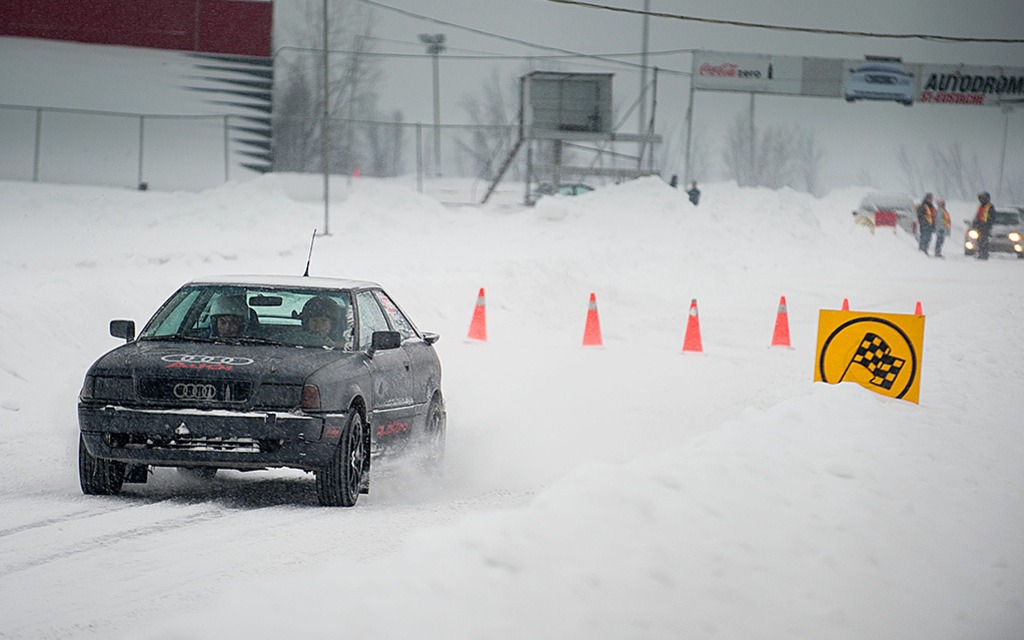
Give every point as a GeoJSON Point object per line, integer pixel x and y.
{"type": "Point", "coordinates": [98, 477]}
{"type": "Point", "coordinates": [338, 483]}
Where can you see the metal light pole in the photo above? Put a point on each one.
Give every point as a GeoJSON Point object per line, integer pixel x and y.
{"type": "Point", "coordinates": [324, 133]}
{"type": "Point", "coordinates": [435, 45]}
{"type": "Point", "coordinates": [1007, 110]}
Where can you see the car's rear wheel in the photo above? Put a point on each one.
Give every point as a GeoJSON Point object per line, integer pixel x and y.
{"type": "Point", "coordinates": [98, 477]}
{"type": "Point", "coordinates": [433, 443]}
{"type": "Point", "coordinates": [338, 483]}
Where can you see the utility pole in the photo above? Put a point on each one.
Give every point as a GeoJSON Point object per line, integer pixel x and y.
{"type": "Point", "coordinates": [435, 45]}
{"type": "Point", "coordinates": [644, 39]}
{"type": "Point", "coordinates": [324, 133]}
{"type": "Point", "coordinates": [1007, 110]}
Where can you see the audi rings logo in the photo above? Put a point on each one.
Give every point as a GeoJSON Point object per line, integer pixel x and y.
{"type": "Point", "coordinates": [194, 391]}
{"type": "Point", "coordinates": [206, 363]}
{"type": "Point", "coordinates": [226, 360]}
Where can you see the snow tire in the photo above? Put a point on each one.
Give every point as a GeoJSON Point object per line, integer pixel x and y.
{"type": "Point", "coordinates": [338, 484]}
{"type": "Point", "coordinates": [98, 477]}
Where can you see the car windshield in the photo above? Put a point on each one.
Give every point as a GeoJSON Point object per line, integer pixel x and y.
{"type": "Point", "coordinates": [1009, 218]}
{"type": "Point", "coordinates": [255, 314]}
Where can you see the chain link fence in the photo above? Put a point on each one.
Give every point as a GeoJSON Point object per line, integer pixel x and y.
{"type": "Point", "coordinates": [168, 152]}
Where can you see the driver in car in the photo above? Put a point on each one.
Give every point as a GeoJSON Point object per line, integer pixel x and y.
{"type": "Point", "coordinates": [228, 316]}
{"type": "Point", "coordinates": [321, 319]}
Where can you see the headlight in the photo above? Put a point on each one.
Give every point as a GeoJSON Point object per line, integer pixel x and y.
{"type": "Point", "coordinates": [108, 388]}
{"type": "Point", "coordinates": [973, 234]}
{"type": "Point", "coordinates": [969, 245]}
{"type": "Point", "coordinates": [1014, 237]}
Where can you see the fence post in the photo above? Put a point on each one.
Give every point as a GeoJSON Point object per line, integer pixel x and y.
{"type": "Point", "coordinates": [39, 136]}
{"type": "Point", "coordinates": [419, 157]}
{"type": "Point", "coordinates": [142, 134]}
{"type": "Point", "coordinates": [227, 151]}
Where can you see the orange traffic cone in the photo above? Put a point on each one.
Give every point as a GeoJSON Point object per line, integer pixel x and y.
{"type": "Point", "coordinates": [478, 325]}
{"type": "Point", "coordinates": [780, 337]}
{"type": "Point", "coordinates": [846, 305]}
{"type": "Point", "coordinates": [592, 331]}
{"type": "Point", "coordinates": [692, 340]}
{"type": "Point", "coordinates": [917, 309]}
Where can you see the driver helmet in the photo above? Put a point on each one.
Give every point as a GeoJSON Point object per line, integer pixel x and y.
{"type": "Point", "coordinates": [230, 305]}
{"type": "Point", "coordinates": [983, 196]}
{"type": "Point", "coordinates": [322, 307]}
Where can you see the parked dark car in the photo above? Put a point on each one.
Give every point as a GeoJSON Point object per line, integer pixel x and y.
{"type": "Point", "coordinates": [1007, 234]}
{"type": "Point", "coordinates": [255, 372]}
{"type": "Point", "coordinates": [564, 188]}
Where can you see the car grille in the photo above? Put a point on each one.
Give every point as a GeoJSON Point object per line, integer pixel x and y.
{"type": "Point", "coordinates": [194, 443]}
{"type": "Point", "coordinates": [195, 392]}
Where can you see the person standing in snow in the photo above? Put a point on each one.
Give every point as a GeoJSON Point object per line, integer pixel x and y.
{"type": "Point", "coordinates": [942, 226]}
{"type": "Point", "coordinates": [925, 222]}
{"type": "Point", "coordinates": [983, 223]}
{"type": "Point", "coordinates": [694, 193]}
{"type": "Point", "coordinates": [674, 182]}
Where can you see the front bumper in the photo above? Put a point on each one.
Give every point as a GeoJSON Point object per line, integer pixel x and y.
{"type": "Point", "coordinates": [224, 439]}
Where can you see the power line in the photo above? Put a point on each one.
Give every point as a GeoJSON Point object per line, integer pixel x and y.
{"type": "Point", "coordinates": [496, 36]}
{"type": "Point", "coordinates": [774, 27]}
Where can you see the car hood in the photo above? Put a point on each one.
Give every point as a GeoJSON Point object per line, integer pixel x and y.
{"type": "Point", "coordinates": [266, 363]}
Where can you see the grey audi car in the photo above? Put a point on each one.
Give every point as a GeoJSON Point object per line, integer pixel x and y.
{"type": "Point", "coordinates": [255, 372]}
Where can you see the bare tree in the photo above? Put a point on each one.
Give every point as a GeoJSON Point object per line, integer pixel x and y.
{"type": "Point", "coordinates": [778, 157]}
{"type": "Point", "coordinates": [384, 144]}
{"type": "Point", "coordinates": [495, 114]}
{"type": "Point", "coordinates": [353, 75]}
{"type": "Point", "coordinates": [946, 171]}
{"type": "Point", "coordinates": [911, 169]}
{"type": "Point", "coordinates": [809, 159]}
{"type": "Point", "coordinates": [955, 175]}
{"type": "Point", "coordinates": [738, 154]}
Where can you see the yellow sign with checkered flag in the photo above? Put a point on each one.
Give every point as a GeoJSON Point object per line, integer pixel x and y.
{"type": "Point", "coordinates": [879, 351]}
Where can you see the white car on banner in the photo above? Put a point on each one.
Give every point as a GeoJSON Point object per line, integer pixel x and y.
{"type": "Point", "coordinates": [880, 81]}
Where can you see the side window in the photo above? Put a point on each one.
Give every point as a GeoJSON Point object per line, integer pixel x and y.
{"type": "Point", "coordinates": [400, 323]}
{"type": "Point", "coordinates": [371, 318]}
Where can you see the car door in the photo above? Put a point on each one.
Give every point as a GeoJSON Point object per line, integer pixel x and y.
{"type": "Point", "coordinates": [393, 403]}
{"type": "Point", "coordinates": [425, 370]}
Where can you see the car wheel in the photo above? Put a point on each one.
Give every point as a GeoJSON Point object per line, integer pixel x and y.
{"type": "Point", "coordinates": [433, 443]}
{"type": "Point", "coordinates": [198, 473]}
{"type": "Point", "coordinates": [338, 483]}
{"type": "Point", "coordinates": [98, 477]}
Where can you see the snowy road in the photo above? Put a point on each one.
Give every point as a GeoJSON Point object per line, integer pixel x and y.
{"type": "Point", "coordinates": [589, 491]}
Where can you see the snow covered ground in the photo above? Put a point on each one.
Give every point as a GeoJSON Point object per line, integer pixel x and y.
{"type": "Point", "coordinates": [627, 491]}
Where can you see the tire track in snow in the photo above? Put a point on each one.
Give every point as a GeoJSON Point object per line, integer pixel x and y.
{"type": "Point", "coordinates": [113, 537]}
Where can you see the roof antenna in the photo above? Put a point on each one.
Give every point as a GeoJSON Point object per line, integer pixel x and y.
{"type": "Point", "coordinates": [310, 257]}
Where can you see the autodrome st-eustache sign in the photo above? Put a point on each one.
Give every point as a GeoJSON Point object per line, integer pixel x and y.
{"type": "Point", "coordinates": [875, 79]}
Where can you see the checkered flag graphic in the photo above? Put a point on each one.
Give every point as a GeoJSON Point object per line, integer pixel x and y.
{"type": "Point", "coordinates": [874, 355]}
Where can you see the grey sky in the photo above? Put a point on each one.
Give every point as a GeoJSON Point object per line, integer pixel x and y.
{"type": "Point", "coordinates": [857, 136]}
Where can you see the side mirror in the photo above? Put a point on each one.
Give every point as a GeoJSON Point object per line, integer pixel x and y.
{"type": "Point", "coordinates": [430, 338]}
{"type": "Point", "coordinates": [384, 340]}
{"type": "Point", "coordinates": [123, 329]}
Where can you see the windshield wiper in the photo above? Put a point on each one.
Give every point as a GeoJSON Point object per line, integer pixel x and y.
{"type": "Point", "coordinates": [251, 340]}
{"type": "Point", "coordinates": [178, 338]}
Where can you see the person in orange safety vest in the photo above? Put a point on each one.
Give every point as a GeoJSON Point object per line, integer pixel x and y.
{"type": "Point", "coordinates": [983, 223]}
{"type": "Point", "coordinates": [942, 226]}
{"type": "Point", "coordinates": [925, 223]}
